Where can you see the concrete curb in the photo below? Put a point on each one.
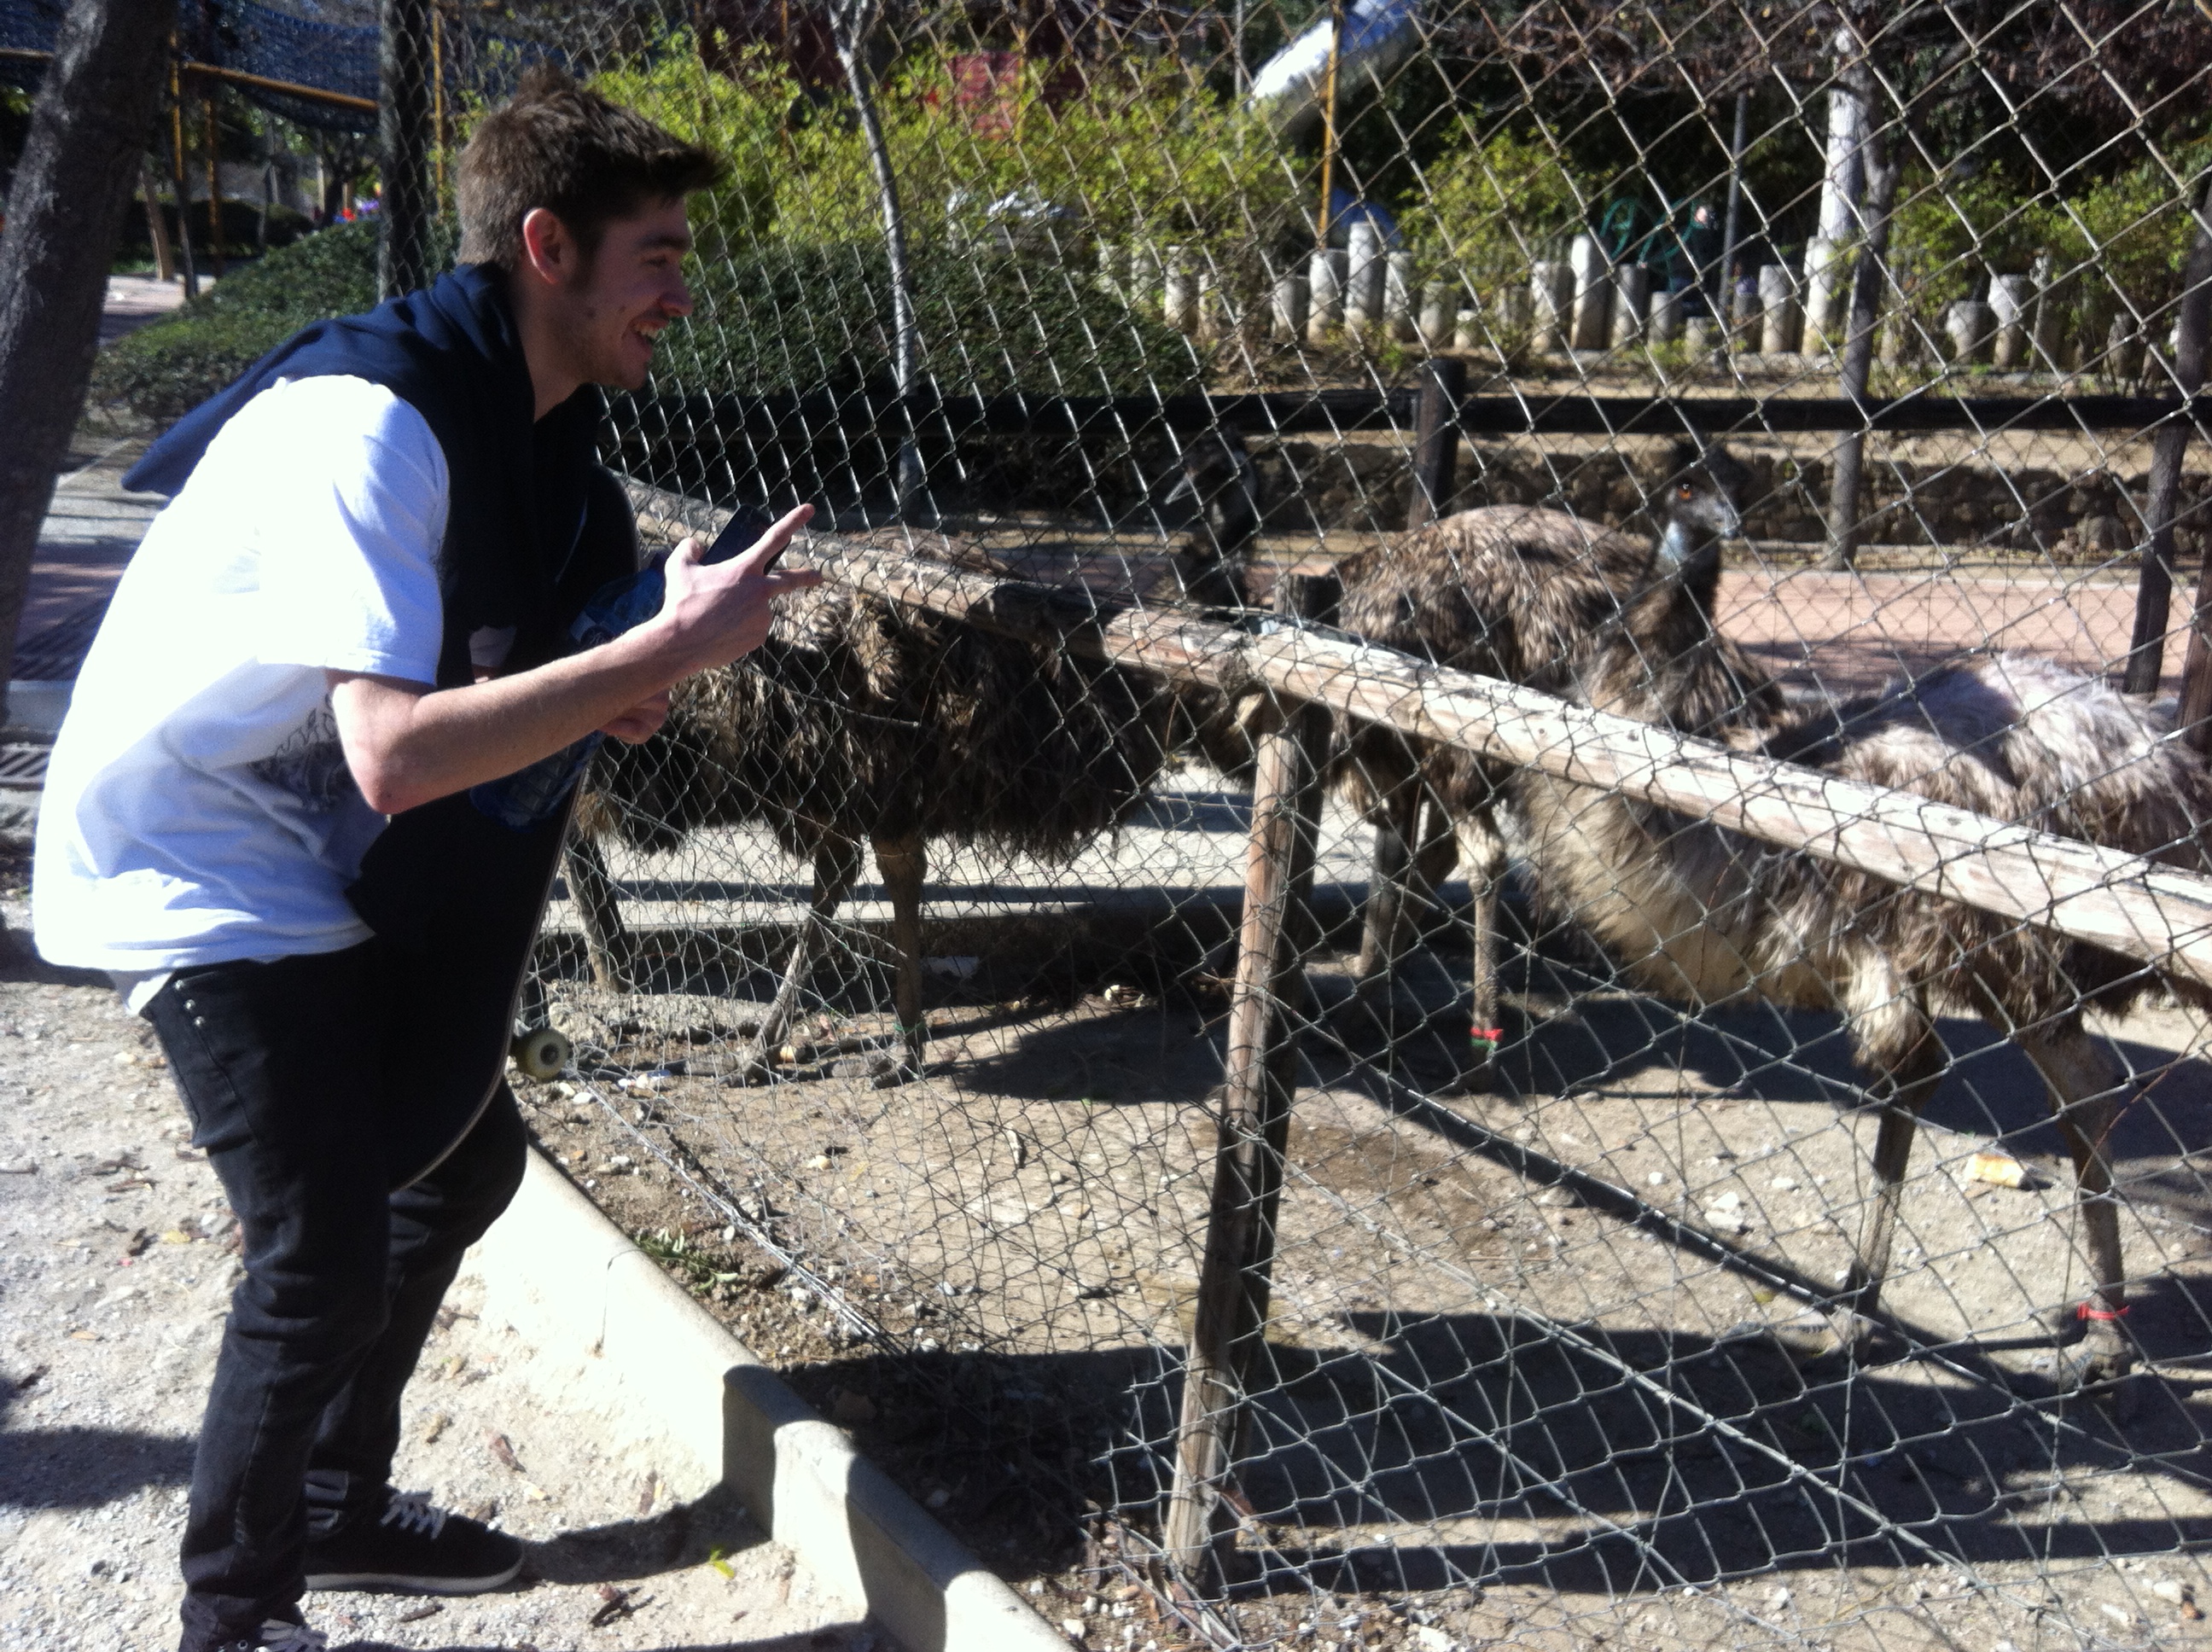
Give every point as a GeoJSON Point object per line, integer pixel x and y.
{"type": "Point", "coordinates": [556, 1266]}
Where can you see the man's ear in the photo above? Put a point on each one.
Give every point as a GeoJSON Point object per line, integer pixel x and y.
{"type": "Point", "coordinates": [549, 250]}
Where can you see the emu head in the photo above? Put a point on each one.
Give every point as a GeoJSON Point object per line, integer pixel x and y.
{"type": "Point", "coordinates": [1697, 508]}
{"type": "Point", "coordinates": [1216, 475]}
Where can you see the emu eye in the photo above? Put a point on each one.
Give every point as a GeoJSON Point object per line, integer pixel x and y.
{"type": "Point", "coordinates": [1685, 491]}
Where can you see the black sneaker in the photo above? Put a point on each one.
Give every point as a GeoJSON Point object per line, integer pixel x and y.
{"type": "Point", "coordinates": [414, 1548]}
{"type": "Point", "coordinates": [277, 1635]}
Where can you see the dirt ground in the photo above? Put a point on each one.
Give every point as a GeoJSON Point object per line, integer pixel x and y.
{"type": "Point", "coordinates": [1536, 1368]}
{"type": "Point", "coordinates": [117, 1259]}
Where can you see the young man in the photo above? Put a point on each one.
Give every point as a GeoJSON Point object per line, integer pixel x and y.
{"type": "Point", "coordinates": [357, 607]}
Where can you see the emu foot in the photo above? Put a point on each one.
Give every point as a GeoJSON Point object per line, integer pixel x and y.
{"type": "Point", "coordinates": [2093, 1354]}
{"type": "Point", "coordinates": [755, 1067]}
{"type": "Point", "coordinates": [1841, 1336]}
{"type": "Point", "coordinates": [880, 1069]}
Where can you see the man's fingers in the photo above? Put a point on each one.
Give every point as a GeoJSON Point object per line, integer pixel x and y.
{"type": "Point", "coordinates": [690, 550]}
{"type": "Point", "coordinates": [770, 545]}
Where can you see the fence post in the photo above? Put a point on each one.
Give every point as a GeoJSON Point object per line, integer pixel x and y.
{"type": "Point", "coordinates": [2154, 589]}
{"type": "Point", "coordinates": [403, 145]}
{"type": "Point", "coordinates": [1436, 439]}
{"type": "Point", "coordinates": [1271, 998]}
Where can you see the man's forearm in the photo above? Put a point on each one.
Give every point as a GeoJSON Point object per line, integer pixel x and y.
{"type": "Point", "coordinates": [407, 744]}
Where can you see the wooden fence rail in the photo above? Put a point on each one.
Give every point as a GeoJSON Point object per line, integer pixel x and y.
{"type": "Point", "coordinates": [2134, 906]}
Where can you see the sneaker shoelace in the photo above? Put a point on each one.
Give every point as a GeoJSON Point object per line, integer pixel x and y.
{"type": "Point", "coordinates": [277, 1636]}
{"type": "Point", "coordinates": [411, 1512]}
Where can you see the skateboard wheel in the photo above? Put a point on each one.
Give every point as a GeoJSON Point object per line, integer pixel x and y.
{"type": "Point", "coordinates": [541, 1053]}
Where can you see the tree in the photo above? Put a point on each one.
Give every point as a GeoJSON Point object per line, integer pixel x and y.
{"type": "Point", "coordinates": [81, 161]}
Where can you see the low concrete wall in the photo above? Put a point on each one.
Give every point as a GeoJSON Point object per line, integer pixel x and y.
{"type": "Point", "coordinates": [559, 1271]}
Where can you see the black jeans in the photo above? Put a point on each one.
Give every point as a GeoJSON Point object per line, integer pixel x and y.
{"type": "Point", "coordinates": [293, 1097]}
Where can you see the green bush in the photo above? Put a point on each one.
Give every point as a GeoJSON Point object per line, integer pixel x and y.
{"type": "Point", "coordinates": [1488, 208]}
{"type": "Point", "coordinates": [811, 315]}
{"type": "Point", "coordinates": [1142, 153]}
{"type": "Point", "coordinates": [169, 366]}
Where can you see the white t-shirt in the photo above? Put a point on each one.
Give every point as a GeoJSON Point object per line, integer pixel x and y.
{"type": "Point", "coordinates": [197, 807]}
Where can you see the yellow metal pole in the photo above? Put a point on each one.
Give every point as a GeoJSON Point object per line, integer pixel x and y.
{"type": "Point", "coordinates": [1328, 122]}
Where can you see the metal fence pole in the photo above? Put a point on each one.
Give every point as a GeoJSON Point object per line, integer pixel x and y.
{"type": "Point", "coordinates": [403, 137]}
{"type": "Point", "coordinates": [1436, 439]}
{"type": "Point", "coordinates": [2154, 591]}
{"type": "Point", "coordinates": [1269, 1001]}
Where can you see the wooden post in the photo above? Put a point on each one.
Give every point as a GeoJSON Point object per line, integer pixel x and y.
{"type": "Point", "coordinates": [214, 183]}
{"type": "Point", "coordinates": [2155, 588]}
{"type": "Point", "coordinates": [438, 106]}
{"type": "Point", "coordinates": [1436, 439]}
{"type": "Point", "coordinates": [177, 174]}
{"type": "Point", "coordinates": [1268, 1004]}
{"type": "Point", "coordinates": [157, 232]}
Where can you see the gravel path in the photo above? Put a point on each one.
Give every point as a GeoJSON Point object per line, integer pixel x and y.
{"type": "Point", "coordinates": [115, 1270]}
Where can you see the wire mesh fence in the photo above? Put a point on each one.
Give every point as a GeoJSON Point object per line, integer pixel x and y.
{"type": "Point", "coordinates": [1474, 652]}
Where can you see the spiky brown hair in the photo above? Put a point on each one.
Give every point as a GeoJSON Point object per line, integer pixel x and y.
{"type": "Point", "coordinates": [562, 146]}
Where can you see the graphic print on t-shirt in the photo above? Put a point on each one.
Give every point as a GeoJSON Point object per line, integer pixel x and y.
{"type": "Point", "coordinates": [310, 764]}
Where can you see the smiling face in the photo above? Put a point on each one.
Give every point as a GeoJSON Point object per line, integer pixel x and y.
{"type": "Point", "coordinates": [592, 319]}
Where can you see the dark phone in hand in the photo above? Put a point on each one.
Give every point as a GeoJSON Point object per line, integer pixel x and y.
{"type": "Point", "coordinates": [740, 533]}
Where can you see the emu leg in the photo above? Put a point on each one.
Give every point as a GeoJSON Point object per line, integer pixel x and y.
{"type": "Point", "coordinates": [836, 869]}
{"type": "Point", "coordinates": [1382, 931]}
{"type": "Point", "coordinates": [606, 943]}
{"type": "Point", "coordinates": [1905, 1090]}
{"type": "Point", "coordinates": [903, 865]}
{"type": "Point", "coordinates": [2084, 1081]}
{"type": "Point", "coordinates": [1483, 849]}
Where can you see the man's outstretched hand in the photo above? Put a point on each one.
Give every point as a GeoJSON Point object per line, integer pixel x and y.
{"type": "Point", "coordinates": [715, 611]}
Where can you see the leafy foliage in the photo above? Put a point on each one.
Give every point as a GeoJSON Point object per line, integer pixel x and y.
{"type": "Point", "coordinates": [1488, 208]}
{"type": "Point", "coordinates": [806, 316]}
{"type": "Point", "coordinates": [165, 369]}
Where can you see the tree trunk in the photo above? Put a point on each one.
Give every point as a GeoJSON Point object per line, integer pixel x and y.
{"type": "Point", "coordinates": [88, 130]}
{"type": "Point", "coordinates": [1881, 157]}
{"type": "Point", "coordinates": [852, 25]}
{"type": "Point", "coordinates": [403, 134]}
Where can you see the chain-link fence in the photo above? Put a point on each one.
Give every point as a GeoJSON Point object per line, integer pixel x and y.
{"type": "Point", "coordinates": [1280, 1136]}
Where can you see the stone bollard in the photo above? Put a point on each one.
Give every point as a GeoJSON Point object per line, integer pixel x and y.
{"type": "Point", "coordinates": [1211, 313]}
{"type": "Point", "coordinates": [1439, 311]}
{"type": "Point", "coordinates": [1701, 335]}
{"type": "Point", "coordinates": [1632, 292]}
{"type": "Point", "coordinates": [1664, 324]}
{"type": "Point", "coordinates": [1366, 266]}
{"type": "Point", "coordinates": [1400, 285]}
{"type": "Point", "coordinates": [1467, 331]}
{"type": "Point", "coordinates": [1970, 325]}
{"type": "Point", "coordinates": [1552, 294]}
{"type": "Point", "coordinates": [1113, 269]}
{"type": "Point", "coordinates": [1513, 318]}
{"type": "Point", "coordinates": [2123, 347]}
{"type": "Point", "coordinates": [1179, 291]}
{"type": "Point", "coordinates": [1777, 309]}
{"type": "Point", "coordinates": [1743, 314]}
{"type": "Point", "coordinates": [1828, 270]}
{"type": "Point", "coordinates": [1293, 294]}
{"type": "Point", "coordinates": [1326, 283]}
{"type": "Point", "coordinates": [1593, 323]}
{"type": "Point", "coordinates": [2011, 302]}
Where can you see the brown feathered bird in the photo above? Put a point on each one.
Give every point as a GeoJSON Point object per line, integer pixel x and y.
{"type": "Point", "coordinates": [1508, 592]}
{"type": "Point", "coordinates": [862, 722]}
{"type": "Point", "coordinates": [1695, 912]}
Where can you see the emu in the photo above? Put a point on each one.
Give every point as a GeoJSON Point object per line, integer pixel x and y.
{"type": "Point", "coordinates": [1509, 591]}
{"type": "Point", "coordinates": [862, 722]}
{"type": "Point", "coordinates": [1695, 912]}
